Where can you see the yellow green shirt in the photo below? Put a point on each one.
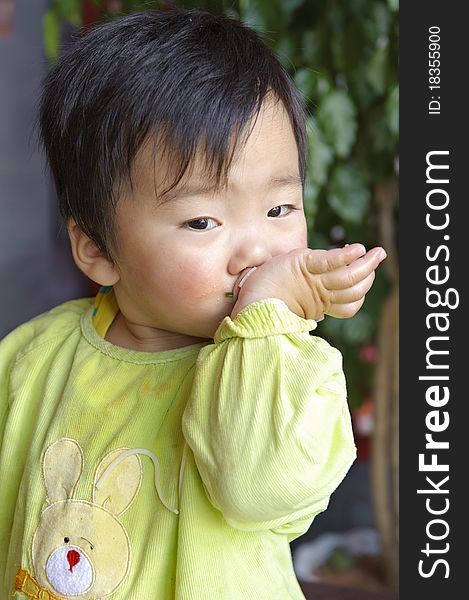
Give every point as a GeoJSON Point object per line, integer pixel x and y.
{"type": "Point", "coordinates": [174, 475]}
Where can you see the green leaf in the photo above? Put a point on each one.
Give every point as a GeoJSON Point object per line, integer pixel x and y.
{"type": "Point", "coordinates": [355, 330]}
{"type": "Point", "coordinates": [376, 25]}
{"type": "Point", "coordinates": [70, 10]}
{"type": "Point", "coordinates": [51, 30]}
{"type": "Point", "coordinates": [331, 327]}
{"type": "Point", "coordinates": [286, 51]}
{"type": "Point", "coordinates": [347, 47]}
{"type": "Point", "coordinates": [310, 200]}
{"type": "Point", "coordinates": [253, 14]}
{"type": "Point", "coordinates": [378, 131]}
{"type": "Point", "coordinates": [305, 81]}
{"type": "Point", "coordinates": [348, 194]}
{"type": "Point", "coordinates": [380, 15]}
{"type": "Point", "coordinates": [359, 328]}
{"type": "Point", "coordinates": [337, 119]}
{"type": "Point", "coordinates": [393, 5]}
{"type": "Point", "coordinates": [311, 46]}
{"type": "Point", "coordinates": [317, 239]}
{"type": "Point", "coordinates": [392, 110]}
{"type": "Point", "coordinates": [376, 71]}
{"type": "Point", "coordinates": [336, 16]}
{"type": "Point", "coordinates": [363, 94]}
{"type": "Point", "coordinates": [289, 6]}
{"type": "Point", "coordinates": [320, 155]}
{"type": "Point", "coordinates": [323, 85]}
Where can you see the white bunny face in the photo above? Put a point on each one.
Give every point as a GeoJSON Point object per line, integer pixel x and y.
{"type": "Point", "coordinates": [79, 581]}
{"type": "Point", "coordinates": [80, 549]}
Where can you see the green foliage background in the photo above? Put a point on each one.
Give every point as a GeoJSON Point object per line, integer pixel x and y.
{"type": "Point", "coordinates": [343, 56]}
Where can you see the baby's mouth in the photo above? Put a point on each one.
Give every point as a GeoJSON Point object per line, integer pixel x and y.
{"type": "Point", "coordinates": [245, 273]}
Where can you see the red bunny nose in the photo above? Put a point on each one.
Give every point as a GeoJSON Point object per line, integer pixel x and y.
{"type": "Point", "coordinates": [73, 558]}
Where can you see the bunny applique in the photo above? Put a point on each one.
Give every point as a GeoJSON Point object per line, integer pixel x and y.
{"type": "Point", "coordinates": [81, 549]}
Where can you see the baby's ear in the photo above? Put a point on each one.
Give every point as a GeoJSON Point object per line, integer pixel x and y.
{"type": "Point", "coordinates": [89, 258]}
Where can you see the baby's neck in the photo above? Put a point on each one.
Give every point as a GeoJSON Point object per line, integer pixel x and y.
{"type": "Point", "coordinates": [146, 339]}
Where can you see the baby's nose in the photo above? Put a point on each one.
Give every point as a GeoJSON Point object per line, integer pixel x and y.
{"type": "Point", "coordinates": [249, 252]}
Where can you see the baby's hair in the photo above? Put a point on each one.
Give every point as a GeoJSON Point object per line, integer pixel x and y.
{"type": "Point", "coordinates": [183, 78]}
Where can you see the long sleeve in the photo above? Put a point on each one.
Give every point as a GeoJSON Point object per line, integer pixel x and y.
{"type": "Point", "coordinates": [267, 420]}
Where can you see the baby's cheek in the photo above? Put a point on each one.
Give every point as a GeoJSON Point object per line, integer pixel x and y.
{"type": "Point", "coordinates": [300, 240]}
{"type": "Point", "coordinates": [197, 281]}
{"type": "Point", "coordinates": [298, 237]}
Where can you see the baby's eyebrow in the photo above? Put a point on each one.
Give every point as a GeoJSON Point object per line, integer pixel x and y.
{"type": "Point", "coordinates": [276, 181]}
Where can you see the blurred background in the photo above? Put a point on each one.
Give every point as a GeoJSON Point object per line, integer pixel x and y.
{"type": "Point", "coordinates": [343, 56]}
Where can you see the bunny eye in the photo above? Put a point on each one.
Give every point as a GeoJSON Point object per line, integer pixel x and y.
{"type": "Point", "coordinates": [66, 540]}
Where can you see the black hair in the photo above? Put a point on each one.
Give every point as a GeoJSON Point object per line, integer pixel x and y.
{"type": "Point", "coordinates": [181, 77]}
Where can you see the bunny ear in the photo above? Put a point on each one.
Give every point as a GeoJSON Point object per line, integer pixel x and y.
{"type": "Point", "coordinates": [62, 466]}
{"type": "Point", "coordinates": [116, 488]}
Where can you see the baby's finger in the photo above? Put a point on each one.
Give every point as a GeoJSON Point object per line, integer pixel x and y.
{"type": "Point", "coordinates": [321, 261]}
{"type": "Point", "coordinates": [354, 293]}
{"type": "Point", "coordinates": [349, 275]}
{"type": "Point", "coordinates": [345, 311]}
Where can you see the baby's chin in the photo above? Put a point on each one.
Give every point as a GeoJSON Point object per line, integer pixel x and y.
{"type": "Point", "coordinates": [197, 321]}
{"type": "Point", "coordinates": [206, 328]}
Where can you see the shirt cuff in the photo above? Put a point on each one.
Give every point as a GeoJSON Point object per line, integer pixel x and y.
{"type": "Point", "coordinates": [262, 318]}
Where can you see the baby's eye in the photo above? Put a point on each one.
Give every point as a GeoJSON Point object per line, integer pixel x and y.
{"type": "Point", "coordinates": [66, 540]}
{"type": "Point", "coordinates": [281, 211]}
{"type": "Point", "coordinates": [201, 224]}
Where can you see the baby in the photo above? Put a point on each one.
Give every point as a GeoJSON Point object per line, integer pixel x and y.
{"type": "Point", "coordinates": [168, 439]}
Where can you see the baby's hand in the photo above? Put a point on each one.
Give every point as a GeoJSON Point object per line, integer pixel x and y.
{"type": "Point", "coordinates": [313, 283]}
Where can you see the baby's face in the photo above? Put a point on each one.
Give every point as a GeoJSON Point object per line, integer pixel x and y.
{"type": "Point", "coordinates": [177, 260]}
